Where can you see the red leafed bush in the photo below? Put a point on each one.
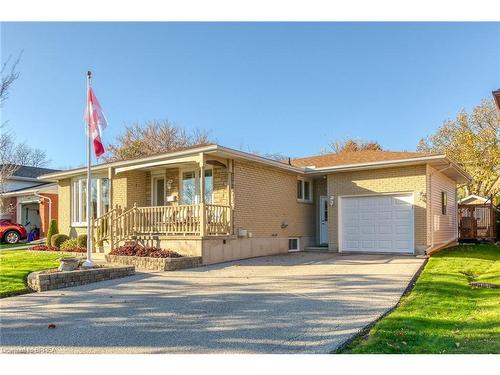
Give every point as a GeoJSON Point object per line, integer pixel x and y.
{"type": "Point", "coordinates": [75, 250]}
{"type": "Point", "coordinates": [53, 248]}
{"type": "Point", "coordinates": [141, 251]}
{"type": "Point", "coordinates": [44, 248]}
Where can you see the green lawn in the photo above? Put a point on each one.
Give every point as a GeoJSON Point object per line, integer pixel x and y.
{"type": "Point", "coordinates": [5, 246]}
{"type": "Point", "coordinates": [443, 313]}
{"type": "Point", "coordinates": [15, 265]}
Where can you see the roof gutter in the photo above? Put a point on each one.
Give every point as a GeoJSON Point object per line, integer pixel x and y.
{"type": "Point", "coordinates": [358, 166]}
{"type": "Point", "coordinates": [28, 191]}
{"type": "Point", "coordinates": [103, 167]}
{"type": "Point", "coordinates": [157, 159]}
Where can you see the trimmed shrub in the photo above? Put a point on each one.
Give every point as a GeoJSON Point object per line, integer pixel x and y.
{"type": "Point", "coordinates": [58, 239]}
{"type": "Point", "coordinates": [81, 240]}
{"type": "Point", "coordinates": [52, 230]}
{"type": "Point", "coordinates": [141, 251]}
{"type": "Point", "coordinates": [69, 244]}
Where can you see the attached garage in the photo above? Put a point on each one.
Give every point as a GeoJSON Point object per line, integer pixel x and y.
{"type": "Point", "coordinates": [381, 223]}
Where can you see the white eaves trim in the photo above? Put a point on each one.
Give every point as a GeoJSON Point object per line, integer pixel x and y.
{"type": "Point", "coordinates": [343, 167]}
{"type": "Point", "coordinates": [387, 163]}
{"type": "Point", "coordinates": [158, 159]}
{"type": "Point", "coordinates": [103, 167]}
{"type": "Point", "coordinates": [31, 190]}
{"type": "Point", "coordinates": [169, 158]}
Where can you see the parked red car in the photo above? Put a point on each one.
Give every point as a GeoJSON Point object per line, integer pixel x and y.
{"type": "Point", "coordinates": [11, 232]}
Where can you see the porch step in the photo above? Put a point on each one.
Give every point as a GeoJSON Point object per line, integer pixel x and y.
{"type": "Point", "coordinates": [323, 249]}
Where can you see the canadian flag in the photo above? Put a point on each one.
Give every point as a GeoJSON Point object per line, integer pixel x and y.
{"type": "Point", "coordinates": [96, 121]}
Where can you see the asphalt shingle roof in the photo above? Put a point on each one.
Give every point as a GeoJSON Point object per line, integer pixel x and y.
{"type": "Point", "coordinates": [31, 172]}
{"type": "Point", "coordinates": [356, 157]}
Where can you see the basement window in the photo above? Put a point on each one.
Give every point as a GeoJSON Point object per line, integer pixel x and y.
{"type": "Point", "coordinates": [293, 244]}
{"type": "Point", "coordinates": [444, 202]}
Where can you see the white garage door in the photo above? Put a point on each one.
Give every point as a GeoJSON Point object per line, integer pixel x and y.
{"type": "Point", "coordinates": [382, 223]}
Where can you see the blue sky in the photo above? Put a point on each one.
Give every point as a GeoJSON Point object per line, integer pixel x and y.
{"type": "Point", "coordinates": [267, 87]}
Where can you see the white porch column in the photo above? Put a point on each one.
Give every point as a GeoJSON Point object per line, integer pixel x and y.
{"type": "Point", "coordinates": [229, 194]}
{"type": "Point", "coordinates": [202, 213]}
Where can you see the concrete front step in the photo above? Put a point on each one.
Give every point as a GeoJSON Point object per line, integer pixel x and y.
{"type": "Point", "coordinates": [316, 248]}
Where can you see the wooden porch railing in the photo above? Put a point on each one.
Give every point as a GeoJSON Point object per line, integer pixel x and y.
{"type": "Point", "coordinates": [195, 219]}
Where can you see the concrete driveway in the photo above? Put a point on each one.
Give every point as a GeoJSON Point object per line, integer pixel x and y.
{"type": "Point", "coordinates": [295, 303]}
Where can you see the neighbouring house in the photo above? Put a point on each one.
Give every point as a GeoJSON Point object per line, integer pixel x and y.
{"type": "Point", "coordinates": [29, 200]}
{"type": "Point", "coordinates": [223, 204]}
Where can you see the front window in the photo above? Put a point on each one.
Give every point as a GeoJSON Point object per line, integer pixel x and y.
{"type": "Point", "coordinates": [190, 191]}
{"type": "Point", "coordinates": [304, 191]}
{"type": "Point", "coordinates": [99, 199]}
{"type": "Point", "coordinates": [105, 203]}
{"type": "Point", "coordinates": [188, 194]}
{"type": "Point", "coordinates": [209, 185]}
{"type": "Point", "coordinates": [299, 189]}
{"type": "Point", "coordinates": [307, 190]}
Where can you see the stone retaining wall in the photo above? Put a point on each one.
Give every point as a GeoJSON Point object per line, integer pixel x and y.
{"type": "Point", "coordinates": [155, 264]}
{"type": "Point", "coordinates": [43, 280]}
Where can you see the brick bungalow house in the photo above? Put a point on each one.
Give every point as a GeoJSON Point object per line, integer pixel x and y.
{"type": "Point", "coordinates": [27, 200]}
{"type": "Point", "coordinates": [225, 204]}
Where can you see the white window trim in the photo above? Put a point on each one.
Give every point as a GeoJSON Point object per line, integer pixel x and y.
{"type": "Point", "coordinates": [76, 199]}
{"type": "Point", "coordinates": [302, 200]}
{"type": "Point", "coordinates": [196, 183]}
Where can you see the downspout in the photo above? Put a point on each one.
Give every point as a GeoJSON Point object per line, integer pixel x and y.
{"type": "Point", "coordinates": [50, 204]}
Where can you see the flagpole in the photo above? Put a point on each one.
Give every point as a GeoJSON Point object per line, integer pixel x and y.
{"type": "Point", "coordinates": [88, 262]}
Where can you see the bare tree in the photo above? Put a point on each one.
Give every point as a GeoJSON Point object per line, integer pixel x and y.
{"type": "Point", "coordinates": [154, 137]}
{"type": "Point", "coordinates": [7, 169]}
{"type": "Point", "coordinates": [11, 154]}
{"type": "Point", "coordinates": [9, 75]}
{"type": "Point", "coordinates": [353, 145]}
{"type": "Point", "coordinates": [22, 154]}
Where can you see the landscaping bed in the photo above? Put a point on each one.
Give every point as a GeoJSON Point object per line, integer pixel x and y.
{"type": "Point", "coordinates": [52, 279]}
{"type": "Point", "coordinates": [445, 312]}
{"type": "Point", "coordinates": [151, 258]}
{"type": "Point", "coordinates": [54, 249]}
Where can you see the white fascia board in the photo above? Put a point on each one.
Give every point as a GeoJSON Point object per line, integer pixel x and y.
{"type": "Point", "coordinates": [187, 159]}
{"type": "Point", "coordinates": [21, 178]}
{"type": "Point", "coordinates": [374, 164]}
{"type": "Point", "coordinates": [29, 191]}
{"type": "Point", "coordinates": [78, 171]}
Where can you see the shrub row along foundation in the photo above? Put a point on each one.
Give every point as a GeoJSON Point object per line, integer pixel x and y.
{"type": "Point", "coordinates": [155, 264]}
{"type": "Point", "coordinates": [49, 280]}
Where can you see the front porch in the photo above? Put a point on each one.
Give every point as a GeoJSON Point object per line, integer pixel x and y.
{"type": "Point", "coordinates": [172, 199]}
{"type": "Point", "coordinates": [199, 220]}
